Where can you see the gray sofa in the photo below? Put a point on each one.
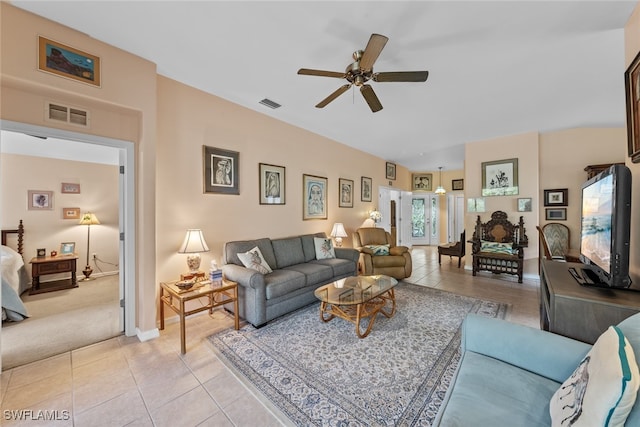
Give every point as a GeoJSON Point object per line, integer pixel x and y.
{"type": "Point", "coordinates": [296, 274]}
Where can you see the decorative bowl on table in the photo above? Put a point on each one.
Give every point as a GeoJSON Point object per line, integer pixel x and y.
{"type": "Point", "coordinates": [185, 284]}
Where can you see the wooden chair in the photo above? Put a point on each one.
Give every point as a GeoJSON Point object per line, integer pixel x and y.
{"type": "Point", "coordinates": [453, 249]}
{"type": "Point", "coordinates": [544, 244]}
{"type": "Point", "coordinates": [498, 245]}
{"type": "Point", "coordinates": [558, 237]}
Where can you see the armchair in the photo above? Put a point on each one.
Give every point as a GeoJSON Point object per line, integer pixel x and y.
{"type": "Point", "coordinates": [557, 237]}
{"type": "Point", "coordinates": [397, 263]}
{"type": "Point", "coordinates": [453, 249]}
{"type": "Point", "coordinates": [544, 243]}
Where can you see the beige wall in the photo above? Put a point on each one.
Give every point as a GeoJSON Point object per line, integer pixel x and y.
{"type": "Point", "coordinates": [632, 48]}
{"type": "Point", "coordinates": [47, 228]}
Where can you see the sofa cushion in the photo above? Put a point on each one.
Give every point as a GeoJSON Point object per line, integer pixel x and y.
{"type": "Point", "coordinates": [282, 282]}
{"type": "Point", "coordinates": [324, 248]}
{"type": "Point", "coordinates": [254, 260]}
{"type": "Point", "coordinates": [314, 273]}
{"type": "Point", "coordinates": [340, 267]}
{"type": "Point", "coordinates": [490, 392]}
{"type": "Point", "coordinates": [602, 389]}
{"type": "Point", "coordinates": [308, 246]}
{"type": "Point", "coordinates": [232, 249]}
{"type": "Point", "coordinates": [497, 247]}
{"type": "Point", "coordinates": [288, 251]}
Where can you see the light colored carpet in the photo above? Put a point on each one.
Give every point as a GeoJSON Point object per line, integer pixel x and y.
{"type": "Point", "coordinates": [322, 374]}
{"type": "Point", "coordinates": [61, 321]}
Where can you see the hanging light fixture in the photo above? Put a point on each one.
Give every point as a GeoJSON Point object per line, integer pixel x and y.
{"type": "Point", "coordinates": [440, 190]}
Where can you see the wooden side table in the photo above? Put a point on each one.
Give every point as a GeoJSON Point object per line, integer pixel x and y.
{"type": "Point", "coordinates": [176, 299]}
{"type": "Point", "coordinates": [52, 265]}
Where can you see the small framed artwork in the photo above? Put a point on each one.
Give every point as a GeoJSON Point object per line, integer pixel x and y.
{"type": "Point", "coordinates": [70, 188]}
{"type": "Point", "coordinates": [391, 171]}
{"type": "Point", "coordinates": [500, 178]}
{"type": "Point", "coordinates": [632, 88]}
{"type": "Point", "coordinates": [524, 204]}
{"type": "Point", "coordinates": [39, 200]}
{"type": "Point", "coordinates": [457, 184]}
{"type": "Point", "coordinates": [40, 252]}
{"type": "Point", "coordinates": [555, 214]}
{"type": "Point", "coordinates": [476, 204]}
{"type": "Point", "coordinates": [70, 213]}
{"type": "Point", "coordinates": [66, 61]}
{"type": "Point", "coordinates": [345, 188]}
{"type": "Point", "coordinates": [272, 184]}
{"type": "Point", "coordinates": [314, 197]}
{"type": "Point", "coordinates": [67, 248]}
{"type": "Point", "coordinates": [557, 197]}
{"type": "Point", "coordinates": [221, 170]}
{"type": "Point", "coordinates": [421, 181]}
{"type": "Point", "coordinates": [366, 185]}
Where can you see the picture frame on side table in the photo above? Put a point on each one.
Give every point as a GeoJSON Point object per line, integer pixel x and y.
{"type": "Point", "coordinates": [345, 193]}
{"type": "Point", "coordinates": [500, 178]}
{"type": "Point", "coordinates": [632, 89]}
{"type": "Point", "coordinates": [555, 214]}
{"type": "Point", "coordinates": [67, 248]}
{"type": "Point", "coordinates": [421, 182]}
{"type": "Point", "coordinates": [557, 197]}
{"type": "Point", "coordinates": [391, 171]}
{"type": "Point", "coordinates": [66, 61]}
{"type": "Point", "coordinates": [272, 184]}
{"type": "Point", "coordinates": [366, 187]}
{"type": "Point", "coordinates": [70, 213]}
{"type": "Point", "coordinates": [314, 197]}
{"type": "Point", "coordinates": [39, 200]}
{"type": "Point", "coordinates": [221, 169]}
{"type": "Point", "coordinates": [524, 204]}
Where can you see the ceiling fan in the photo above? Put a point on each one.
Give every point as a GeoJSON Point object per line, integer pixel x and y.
{"type": "Point", "coordinates": [361, 71]}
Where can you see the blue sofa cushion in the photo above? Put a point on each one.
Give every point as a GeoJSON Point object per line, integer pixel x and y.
{"type": "Point", "coordinates": [316, 273]}
{"type": "Point", "coordinates": [282, 282]}
{"type": "Point", "coordinates": [341, 267]}
{"type": "Point", "coordinates": [288, 251]}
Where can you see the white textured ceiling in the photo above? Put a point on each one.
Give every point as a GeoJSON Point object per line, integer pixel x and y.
{"type": "Point", "coordinates": [496, 68]}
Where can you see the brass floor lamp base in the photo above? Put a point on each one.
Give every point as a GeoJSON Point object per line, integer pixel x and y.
{"type": "Point", "coordinates": [87, 272]}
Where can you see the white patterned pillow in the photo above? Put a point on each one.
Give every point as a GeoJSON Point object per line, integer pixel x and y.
{"type": "Point", "coordinates": [602, 389]}
{"type": "Point", "coordinates": [324, 248]}
{"type": "Point", "coordinates": [254, 260]}
{"type": "Point", "coordinates": [497, 247]}
{"type": "Point", "coordinates": [379, 250]}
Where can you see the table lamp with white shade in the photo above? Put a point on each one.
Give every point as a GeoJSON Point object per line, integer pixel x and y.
{"type": "Point", "coordinates": [338, 232]}
{"type": "Point", "coordinates": [192, 245]}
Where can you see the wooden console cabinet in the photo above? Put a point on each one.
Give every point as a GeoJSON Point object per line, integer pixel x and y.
{"type": "Point", "coordinates": [52, 265]}
{"type": "Point", "coordinates": [580, 312]}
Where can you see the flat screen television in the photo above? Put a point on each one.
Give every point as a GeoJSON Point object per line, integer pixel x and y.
{"type": "Point", "coordinates": [605, 228]}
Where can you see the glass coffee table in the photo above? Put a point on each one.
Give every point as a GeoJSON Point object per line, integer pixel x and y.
{"type": "Point", "coordinates": [357, 298]}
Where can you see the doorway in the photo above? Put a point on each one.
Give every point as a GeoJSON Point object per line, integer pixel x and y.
{"type": "Point", "coordinates": [425, 225]}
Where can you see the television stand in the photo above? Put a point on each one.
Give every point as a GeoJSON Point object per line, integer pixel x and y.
{"type": "Point", "coordinates": [580, 312]}
{"type": "Point", "coordinates": [587, 277]}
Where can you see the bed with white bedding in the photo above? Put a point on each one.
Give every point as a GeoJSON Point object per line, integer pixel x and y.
{"type": "Point", "coordinates": [15, 279]}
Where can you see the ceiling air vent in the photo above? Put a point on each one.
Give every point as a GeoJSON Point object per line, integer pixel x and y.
{"type": "Point", "coordinates": [66, 114]}
{"type": "Point", "coordinates": [269, 103]}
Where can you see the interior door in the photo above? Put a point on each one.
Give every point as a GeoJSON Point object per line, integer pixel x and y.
{"type": "Point", "coordinates": [424, 219]}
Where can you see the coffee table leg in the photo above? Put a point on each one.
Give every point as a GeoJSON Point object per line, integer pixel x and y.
{"type": "Point", "coordinates": [360, 315]}
{"type": "Point", "coordinates": [391, 296]}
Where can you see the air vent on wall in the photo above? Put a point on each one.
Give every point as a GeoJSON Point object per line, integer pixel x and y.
{"type": "Point", "coordinates": [269, 103]}
{"type": "Point", "coordinates": [66, 114]}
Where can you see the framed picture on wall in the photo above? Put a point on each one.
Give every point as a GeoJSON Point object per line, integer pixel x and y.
{"type": "Point", "coordinates": [557, 197]}
{"type": "Point", "coordinates": [70, 213]}
{"type": "Point", "coordinates": [345, 195]}
{"type": "Point", "coordinates": [555, 214]}
{"type": "Point", "coordinates": [500, 178]}
{"type": "Point", "coordinates": [366, 185]}
{"type": "Point", "coordinates": [632, 88]}
{"type": "Point", "coordinates": [391, 170]}
{"type": "Point", "coordinates": [524, 204]}
{"type": "Point", "coordinates": [272, 184]}
{"type": "Point", "coordinates": [221, 170]}
{"type": "Point", "coordinates": [39, 200]}
{"type": "Point", "coordinates": [457, 184]}
{"type": "Point", "coordinates": [421, 182]}
{"type": "Point", "coordinates": [68, 187]}
{"type": "Point", "coordinates": [314, 197]}
{"type": "Point", "coordinates": [66, 61]}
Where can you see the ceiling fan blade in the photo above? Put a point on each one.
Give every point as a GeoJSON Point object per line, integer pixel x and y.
{"type": "Point", "coordinates": [334, 95]}
{"type": "Point", "coordinates": [371, 98]}
{"type": "Point", "coordinates": [401, 76]}
{"type": "Point", "coordinates": [372, 51]}
{"type": "Point", "coordinates": [321, 73]}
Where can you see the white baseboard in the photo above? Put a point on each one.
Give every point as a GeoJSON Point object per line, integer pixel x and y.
{"type": "Point", "coordinates": [147, 335]}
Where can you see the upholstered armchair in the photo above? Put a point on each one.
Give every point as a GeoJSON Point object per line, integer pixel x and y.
{"type": "Point", "coordinates": [374, 256]}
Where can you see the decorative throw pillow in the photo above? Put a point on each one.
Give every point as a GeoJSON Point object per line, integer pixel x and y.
{"type": "Point", "coordinates": [379, 249]}
{"type": "Point", "coordinates": [324, 248]}
{"type": "Point", "coordinates": [602, 389]}
{"type": "Point", "coordinates": [254, 260]}
{"type": "Point", "coordinates": [497, 247]}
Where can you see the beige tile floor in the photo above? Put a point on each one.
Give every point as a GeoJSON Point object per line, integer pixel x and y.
{"type": "Point", "coordinates": [123, 382]}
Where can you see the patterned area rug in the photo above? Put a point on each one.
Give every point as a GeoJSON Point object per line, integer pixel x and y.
{"type": "Point", "coordinates": [322, 374]}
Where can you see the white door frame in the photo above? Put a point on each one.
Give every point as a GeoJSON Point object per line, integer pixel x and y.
{"type": "Point", "coordinates": [126, 202]}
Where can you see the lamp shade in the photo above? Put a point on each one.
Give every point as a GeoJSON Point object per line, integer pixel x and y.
{"type": "Point", "coordinates": [338, 230]}
{"type": "Point", "coordinates": [193, 242]}
{"type": "Point", "coordinates": [89, 218]}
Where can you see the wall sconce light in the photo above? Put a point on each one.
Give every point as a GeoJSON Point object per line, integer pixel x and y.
{"type": "Point", "coordinates": [193, 244]}
{"type": "Point", "coordinates": [338, 233]}
{"type": "Point", "coordinates": [88, 219]}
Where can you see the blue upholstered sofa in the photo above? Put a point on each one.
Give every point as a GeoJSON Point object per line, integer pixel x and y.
{"type": "Point", "coordinates": [508, 373]}
{"type": "Point", "coordinates": [297, 273]}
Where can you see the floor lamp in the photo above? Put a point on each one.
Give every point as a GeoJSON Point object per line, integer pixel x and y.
{"type": "Point", "coordinates": [88, 219]}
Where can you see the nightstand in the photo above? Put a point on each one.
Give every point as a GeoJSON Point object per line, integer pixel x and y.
{"type": "Point", "coordinates": [52, 265]}
{"type": "Point", "coordinates": [176, 299]}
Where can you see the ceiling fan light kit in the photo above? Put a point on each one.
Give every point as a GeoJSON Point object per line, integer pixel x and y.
{"type": "Point", "coordinates": [360, 72]}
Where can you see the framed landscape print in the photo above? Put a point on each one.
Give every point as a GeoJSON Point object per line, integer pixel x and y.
{"type": "Point", "coordinates": [221, 170]}
{"type": "Point", "coordinates": [391, 171]}
{"type": "Point", "coordinates": [500, 178]}
{"type": "Point", "coordinates": [314, 197]}
{"type": "Point", "coordinates": [558, 197]}
{"type": "Point", "coordinates": [457, 184]}
{"type": "Point", "coordinates": [365, 189]}
{"type": "Point", "coordinates": [632, 88]}
{"type": "Point", "coordinates": [66, 61]}
{"type": "Point", "coordinates": [555, 214]}
{"type": "Point", "coordinates": [39, 200]}
{"type": "Point", "coordinates": [421, 182]}
{"type": "Point", "coordinates": [524, 204]}
{"type": "Point", "coordinates": [345, 194]}
{"type": "Point", "coordinates": [272, 184]}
